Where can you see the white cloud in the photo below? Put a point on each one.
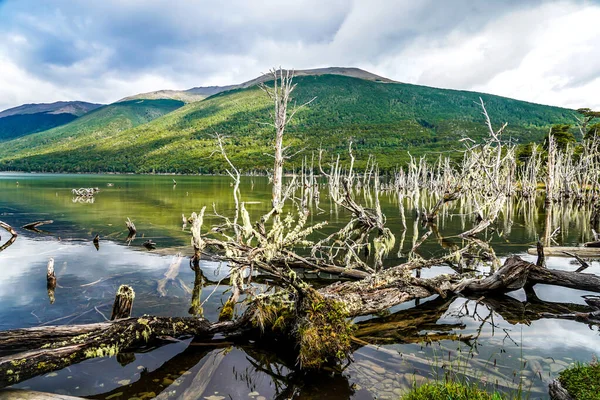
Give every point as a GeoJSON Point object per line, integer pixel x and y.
{"type": "Point", "coordinates": [546, 52]}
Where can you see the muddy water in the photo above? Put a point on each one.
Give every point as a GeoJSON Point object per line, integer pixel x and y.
{"type": "Point", "coordinates": [495, 342]}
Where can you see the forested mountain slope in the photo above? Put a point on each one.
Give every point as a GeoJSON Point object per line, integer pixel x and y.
{"type": "Point", "coordinates": [383, 119]}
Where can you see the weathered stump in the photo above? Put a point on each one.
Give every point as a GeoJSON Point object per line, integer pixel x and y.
{"type": "Point", "coordinates": [50, 280]}
{"type": "Point", "coordinates": [123, 303]}
{"type": "Point", "coordinates": [557, 392]}
{"type": "Point", "coordinates": [131, 227]}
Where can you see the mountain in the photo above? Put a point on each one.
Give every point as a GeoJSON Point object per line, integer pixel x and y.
{"type": "Point", "coordinates": [202, 92]}
{"type": "Point", "coordinates": [77, 108]}
{"type": "Point", "coordinates": [30, 118]}
{"type": "Point", "coordinates": [386, 120]}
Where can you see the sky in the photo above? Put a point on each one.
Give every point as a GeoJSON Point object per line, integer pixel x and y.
{"type": "Point", "coordinates": [100, 51]}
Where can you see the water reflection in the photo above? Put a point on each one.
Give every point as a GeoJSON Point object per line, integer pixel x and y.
{"type": "Point", "coordinates": [501, 341]}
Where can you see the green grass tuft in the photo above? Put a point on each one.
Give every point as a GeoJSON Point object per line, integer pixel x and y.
{"type": "Point", "coordinates": [450, 391]}
{"type": "Point", "coordinates": [582, 381]}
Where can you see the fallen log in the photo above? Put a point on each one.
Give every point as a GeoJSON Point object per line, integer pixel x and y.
{"type": "Point", "coordinates": [54, 347]}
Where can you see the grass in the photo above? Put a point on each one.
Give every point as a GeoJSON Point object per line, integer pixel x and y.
{"type": "Point", "coordinates": [450, 391]}
{"type": "Point", "coordinates": [582, 381]}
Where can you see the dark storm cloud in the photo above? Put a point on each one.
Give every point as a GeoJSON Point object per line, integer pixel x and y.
{"type": "Point", "coordinates": [104, 50]}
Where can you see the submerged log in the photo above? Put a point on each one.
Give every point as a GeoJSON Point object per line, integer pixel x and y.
{"type": "Point", "coordinates": [170, 275]}
{"type": "Point", "coordinates": [564, 251]}
{"type": "Point", "coordinates": [22, 394]}
{"type": "Point", "coordinates": [34, 225]}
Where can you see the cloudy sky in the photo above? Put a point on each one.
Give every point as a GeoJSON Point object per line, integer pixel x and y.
{"type": "Point", "coordinates": [100, 51]}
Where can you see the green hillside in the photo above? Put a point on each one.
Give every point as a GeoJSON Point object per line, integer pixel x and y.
{"type": "Point", "coordinates": [53, 150]}
{"type": "Point", "coordinates": [383, 119]}
{"type": "Point", "coordinates": [15, 126]}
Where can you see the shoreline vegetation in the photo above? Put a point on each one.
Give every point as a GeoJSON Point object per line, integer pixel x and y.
{"type": "Point", "coordinates": [280, 246]}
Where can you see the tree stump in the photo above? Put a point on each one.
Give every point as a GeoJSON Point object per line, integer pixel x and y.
{"type": "Point", "coordinates": [50, 280]}
{"type": "Point", "coordinates": [123, 303]}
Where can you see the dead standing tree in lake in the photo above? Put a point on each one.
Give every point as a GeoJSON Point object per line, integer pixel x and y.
{"type": "Point", "coordinates": [283, 87]}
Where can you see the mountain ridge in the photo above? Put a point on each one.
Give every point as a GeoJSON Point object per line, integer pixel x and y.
{"type": "Point", "coordinates": [77, 108]}
{"type": "Point", "coordinates": [201, 92]}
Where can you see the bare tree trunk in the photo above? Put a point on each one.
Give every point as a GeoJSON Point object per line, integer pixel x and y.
{"type": "Point", "coordinates": [280, 95]}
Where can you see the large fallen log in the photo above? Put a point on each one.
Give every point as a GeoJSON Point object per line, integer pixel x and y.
{"type": "Point", "coordinates": [55, 347]}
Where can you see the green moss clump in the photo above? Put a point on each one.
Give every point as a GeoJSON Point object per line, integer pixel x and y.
{"type": "Point", "coordinates": [324, 332]}
{"type": "Point", "coordinates": [582, 381]}
{"type": "Point", "coordinates": [226, 313]}
{"type": "Point", "coordinates": [450, 391]}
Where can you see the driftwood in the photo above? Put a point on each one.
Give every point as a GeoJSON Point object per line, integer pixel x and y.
{"type": "Point", "coordinates": [34, 225]}
{"type": "Point", "coordinates": [12, 232]}
{"type": "Point", "coordinates": [85, 192]}
{"type": "Point", "coordinates": [131, 227]}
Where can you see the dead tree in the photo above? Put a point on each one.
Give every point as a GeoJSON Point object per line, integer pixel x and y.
{"type": "Point", "coordinates": [280, 95]}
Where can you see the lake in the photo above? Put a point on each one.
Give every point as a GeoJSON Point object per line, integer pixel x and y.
{"type": "Point", "coordinates": [495, 341]}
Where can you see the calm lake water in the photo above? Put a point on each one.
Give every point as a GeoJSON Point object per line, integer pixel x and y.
{"type": "Point", "coordinates": [494, 341]}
